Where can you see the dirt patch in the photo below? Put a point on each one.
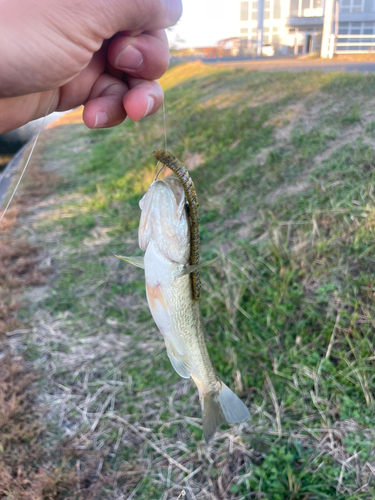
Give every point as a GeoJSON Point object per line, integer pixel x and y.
{"type": "Point", "coordinates": [286, 121]}
{"type": "Point", "coordinates": [193, 160]}
{"type": "Point", "coordinates": [265, 98]}
{"type": "Point", "coordinates": [223, 100]}
{"type": "Point", "coordinates": [287, 191]}
{"type": "Point", "coordinates": [349, 137]}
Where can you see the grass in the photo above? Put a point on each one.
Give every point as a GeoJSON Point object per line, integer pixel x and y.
{"type": "Point", "coordinates": [285, 180]}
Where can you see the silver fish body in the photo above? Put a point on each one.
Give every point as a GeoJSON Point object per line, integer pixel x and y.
{"type": "Point", "coordinates": [164, 236]}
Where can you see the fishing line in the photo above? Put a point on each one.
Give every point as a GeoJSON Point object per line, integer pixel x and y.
{"type": "Point", "coordinates": [158, 172]}
{"type": "Point", "coordinates": [28, 159]}
{"type": "Point", "coordinates": [165, 127]}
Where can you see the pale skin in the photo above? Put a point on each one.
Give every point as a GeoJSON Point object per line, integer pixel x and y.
{"type": "Point", "coordinates": [103, 54]}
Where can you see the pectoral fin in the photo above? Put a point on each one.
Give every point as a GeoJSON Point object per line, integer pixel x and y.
{"type": "Point", "coordinates": [179, 362]}
{"type": "Point", "coordinates": [191, 269]}
{"type": "Point", "coordinates": [136, 261]}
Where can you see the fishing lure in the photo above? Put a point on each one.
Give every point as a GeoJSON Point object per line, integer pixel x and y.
{"type": "Point", "coordinates": [183, 175]}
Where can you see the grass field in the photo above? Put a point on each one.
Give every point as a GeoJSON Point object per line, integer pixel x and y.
{"type": "Point", "coordinates": [284, 168]}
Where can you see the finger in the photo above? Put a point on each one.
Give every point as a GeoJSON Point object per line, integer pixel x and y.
{"type": "Point", "coordinates": [144, 98]}
{"type": "Point", "coordinates": [144, 15]}
{"type": "Point", "coordinates": [145, 56]}
{"type": "Point", "coordinates": [105, 104]}
{"type": "Point", "coordinates": [79, 90]}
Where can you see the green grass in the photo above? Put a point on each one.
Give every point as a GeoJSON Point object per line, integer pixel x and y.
{"type": "Point", "coordinates": [288, 307]}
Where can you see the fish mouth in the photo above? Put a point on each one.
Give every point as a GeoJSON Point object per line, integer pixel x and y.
{"type": "Point", "coordinates": [164, 220]}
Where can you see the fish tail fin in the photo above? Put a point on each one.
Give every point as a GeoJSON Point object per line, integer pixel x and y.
{"type": "Point", "coordinates": [221, 408]}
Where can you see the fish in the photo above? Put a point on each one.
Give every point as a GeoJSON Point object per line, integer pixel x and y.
{"type": "Point", "coordinates": [165, 235]}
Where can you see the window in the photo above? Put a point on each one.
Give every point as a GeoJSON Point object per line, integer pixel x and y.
{"type": "Point", "coordinates": [365, 28]}
{"type": "Point", "coordinates": [275, 29]}
{"type": "Point", "coordinates": [343, 28]}
{"type": "Point", "coordinates": [356, 6]}
{"type": "Point", "coordinates": [345, 6]}
{"type": "Point", "coordinates": [294, 8]}
{"type": "Point", "coordinates": [266, 14]}
{"type": "Point", "coordinates": [369, 6]}
{"type": "Point", "coordinates": [244, 31]}
{"type": "Point", "coordinates": [254, 16]}
{"type": "Point", "coordinates": [368, 29]}
{"type": "Point", "coordinates": [356, 28]}
{"type": "Point", "coordinates": [244, 11]}
{"type": "Point", "coordinates": [309, 8]}
{"type": "Point", "coordinates": [277, 9]}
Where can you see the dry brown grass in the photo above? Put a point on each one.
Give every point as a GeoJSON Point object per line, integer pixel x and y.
{"type": "Point", "coordinates": [20, 260]}
{"type": "Point", "coordinates": [19, 268]}
{"type": "Point", "coordinates": [28, 470]}
{"type": "Point", "coordinates": [25, 471]}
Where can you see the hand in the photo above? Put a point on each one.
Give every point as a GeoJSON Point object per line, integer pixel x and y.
{"type": "Point", "coordinates": [104, 54]}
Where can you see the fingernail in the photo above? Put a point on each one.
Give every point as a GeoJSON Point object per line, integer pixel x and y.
{"type": "Point", "coordinates": [101, 119]}
{"type": "Point", "coordinates": [129, 58]}
{"type": "Point", "coordinates": [150, 105]}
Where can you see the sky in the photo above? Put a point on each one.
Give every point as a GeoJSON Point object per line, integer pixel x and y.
{"type": "Point", "coordinates": [204, 22]}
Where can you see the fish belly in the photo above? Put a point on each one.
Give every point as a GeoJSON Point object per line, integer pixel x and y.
{"type": "Point", "coordinates": [165, 295]}
{"type": "Point", "coordinates": [178, 318]}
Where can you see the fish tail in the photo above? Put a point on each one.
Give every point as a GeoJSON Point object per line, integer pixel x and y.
{"type": "Point", "coordinates": [222, 407]}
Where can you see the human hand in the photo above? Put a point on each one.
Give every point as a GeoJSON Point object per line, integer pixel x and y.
{"type": "Point", "coordinates": [104, 54]}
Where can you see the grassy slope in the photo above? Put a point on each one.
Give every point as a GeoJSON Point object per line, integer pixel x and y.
{"type": "Point", "coordinates": [284, 169]}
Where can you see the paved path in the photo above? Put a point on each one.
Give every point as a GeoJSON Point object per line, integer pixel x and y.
{"type": "Point", "coordinates": [297, 64]}
{"type": "Point", "coordinates": [32, 128]}
{"type": "Point", "coordinates": [6, 176]}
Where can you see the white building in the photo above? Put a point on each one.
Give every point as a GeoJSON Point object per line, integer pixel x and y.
{"type": "Point", "coordinates": [297, 26]}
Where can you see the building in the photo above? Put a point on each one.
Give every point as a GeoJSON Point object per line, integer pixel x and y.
{"type": "Point", "coordinates": [307, 26]}
{"type": "Point", "coordinates": [264, 22]}
{"type": "Point", "coordinates": [228, 47]}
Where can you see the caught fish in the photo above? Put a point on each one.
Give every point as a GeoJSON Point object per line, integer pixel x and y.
{"type": "Point", "coordinates": [168, 234]}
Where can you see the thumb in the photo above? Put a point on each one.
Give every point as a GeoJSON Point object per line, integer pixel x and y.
{"type": "Point", "coordinates": [130, 15]}
{"type": "Point", "coordinates": [47, 43]}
